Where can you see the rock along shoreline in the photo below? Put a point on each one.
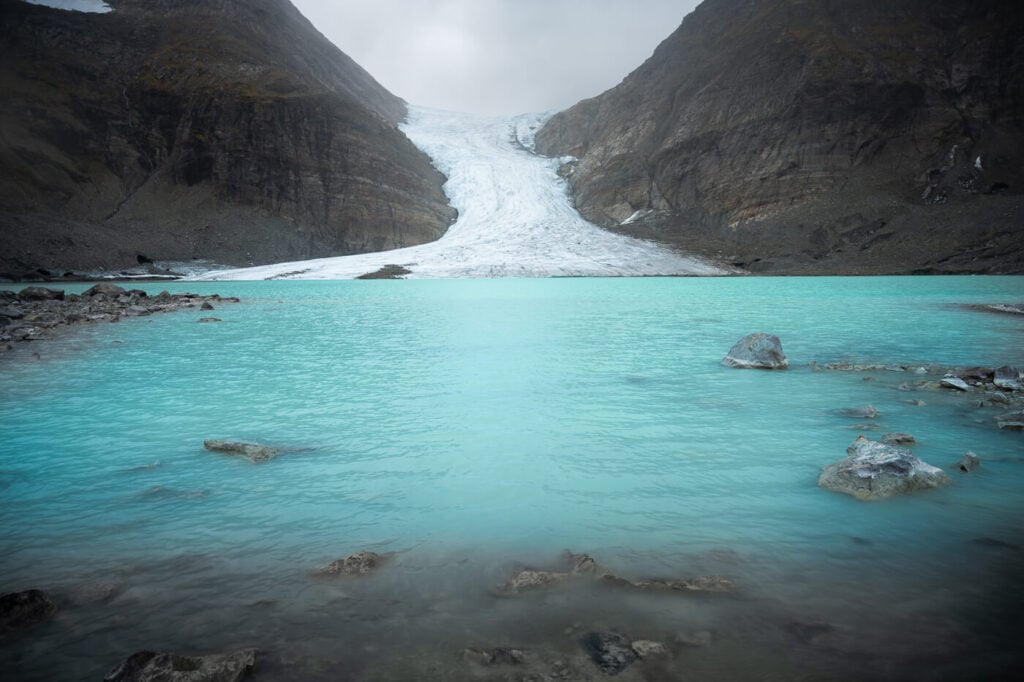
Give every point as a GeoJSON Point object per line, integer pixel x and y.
{"type": "Point", "coordinates": [36, 313]}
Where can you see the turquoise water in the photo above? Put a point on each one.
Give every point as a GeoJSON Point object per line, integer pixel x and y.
{"type": "Point", "coordinates": [470, 424]}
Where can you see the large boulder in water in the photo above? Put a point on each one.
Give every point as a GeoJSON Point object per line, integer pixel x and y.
{"type": "Point", "coordinates": [149, 666]}
{"type": "Point", "coordinates": [252, 452]}
{"type": "Point", "coordinates": [757, 351]}
{"type": "Point", "coordinates": [24, 609]}
{"type": "Point", "coordinates": [875, 471]}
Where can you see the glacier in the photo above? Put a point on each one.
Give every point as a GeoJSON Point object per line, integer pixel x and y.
{"type": "Point", "coordinates": [515, 216]}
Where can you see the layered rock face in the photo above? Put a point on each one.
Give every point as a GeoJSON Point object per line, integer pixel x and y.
{"type": "Point", "coordinates": [221, 129]}
{"type": "Point", "coordinates": [816, 136]}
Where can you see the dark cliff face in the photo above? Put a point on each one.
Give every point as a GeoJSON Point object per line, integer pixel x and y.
{"type": "Point", "coordinates": [222, 129]}
{"type": "Point", "coordinates": [816, 136]}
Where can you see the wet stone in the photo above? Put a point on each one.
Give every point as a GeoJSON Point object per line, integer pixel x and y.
{"type": "Point", "coordinates": [149, 666]}
{"type": "Point", "coordinates": [21, 610]}
{"type": "Point", "coordinates": [360, 563]}
{"type": "Point", "coordinates": [610, 651]}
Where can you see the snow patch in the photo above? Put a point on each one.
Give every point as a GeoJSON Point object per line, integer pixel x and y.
{"type": "Point", "coordinates": [515, 215]}
{"type": "Point", "coordinates": [977, 164]}
{"type": "Point", "coordinates": [642, 213]}
{"type": "Point", "coordinates": [90, 6]}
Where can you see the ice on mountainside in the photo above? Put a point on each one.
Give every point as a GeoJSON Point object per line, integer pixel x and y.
{"type": "Point", "coordinates": [92, 6]}
{"type": "Point", "coordinates": [515, 216]}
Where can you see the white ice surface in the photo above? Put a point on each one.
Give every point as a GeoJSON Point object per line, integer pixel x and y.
{"type": "Point", "coordinates": [94, 6]}
{"type": "Point", "coordinates": [515, 217]}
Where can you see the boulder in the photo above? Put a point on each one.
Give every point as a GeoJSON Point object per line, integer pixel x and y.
{"type": "Point", "coordinates": [206, 306]}
{"type": "Point", "coordinates": [359, 563]}
{"type": "Point", "coordinates": [968, 463]}
{"type": "Point", "coordinates": [898, 438]}
{"type": "Point", "coordinates": [253, 453]}
{"type": "Point", "coordinates": [104, 289]}
{"type": "Point", "coordinates": [950, 381]}
{"type": "Point", "coordinates": [149, 666]}
{"type": "Point", "coordinates": [41, 294]}
{"type": "Point", "coordinates": [1009, 378]}
{"type": "Point", "coordinates": [875, 471]}
{"type": "Point", "coordinates": [862, 412]}
{"type": "Point", "coordinates": [757, 351]}
{"type": "Point", "coordinates": [1011, 421]}
{"type": "Point", "coordinates": [24, 609]}
{"type": "Point", "coordinates": [610, 651]}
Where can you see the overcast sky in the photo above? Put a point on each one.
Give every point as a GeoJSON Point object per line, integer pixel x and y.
{"type": "Point", "coordinates": [497, 56]}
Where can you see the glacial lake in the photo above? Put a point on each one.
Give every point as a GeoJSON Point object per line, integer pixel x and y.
{"type": "Point", "coordinates": [473, 426]}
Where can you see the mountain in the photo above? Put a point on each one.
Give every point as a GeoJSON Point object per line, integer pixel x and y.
{"type": "Point", "coordinates": [816, 137]}
{"type": "Point", "coordinates": [174, 129]}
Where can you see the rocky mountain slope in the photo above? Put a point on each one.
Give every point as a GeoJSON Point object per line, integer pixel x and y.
{"type": "Point", "coordinates": [221, 129]}
{"type": "Point", "coordinates": [816, 136]}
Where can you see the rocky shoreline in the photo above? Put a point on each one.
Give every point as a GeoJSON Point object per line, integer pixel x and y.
{"type": "Point", "coordinates": [37, 314]}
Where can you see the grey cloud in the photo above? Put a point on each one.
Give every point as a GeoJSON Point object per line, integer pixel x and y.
{"type": "Point", "coordinates": [497, 56]}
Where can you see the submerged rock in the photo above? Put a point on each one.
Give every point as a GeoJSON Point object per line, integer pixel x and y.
{"type": "Point", "coordinates": [583, 565]}
{"type": "Point", "coordinates": [862, 412]}
{"type": "Point", "coordinates": [757, 351]}
{"type": "Point", "coordinates": [253, 453]}
{"type": "Point", "coordinates": [968, 463]}
{"type": "Point", "coordinates": [898, 438]}
{"type": "Point", "coordinates": [646, 648]}
{"type": "Point", "coordinates": [610, 651]}
{"type": "Point", "coordinates": [495, 656]}
{"type": "Point", "coordinates": [20, 610]}
{"type": "Point", "coordinates": [875, 471]}
{"type": "Point", "coordinates": [360, 563]}
{"type": "Point", "coordinates": [149, 666]}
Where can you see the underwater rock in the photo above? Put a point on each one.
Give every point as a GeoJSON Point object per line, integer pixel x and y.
{"type": "Point", "coordinates": [149, 666]}
{"type": "Point", "coordinates": [19, 610]}
{"type": "Point", "coordinates": [527, 579]}
{"type": "Point", "coordinates": [875, 471]}
{"type": "Point", "coordinates": [968, 463]}
{"type": "Point", "coordinates": [898, 438]}
{"type": "Point", "coordinates": [580, 565]}
{"type": "Point", "coordinates": [862, 412]}
{"type": "Point", "coordinates": [360, 563]}
{"type": "Point", "coordinates": [704, 583]}
{"type": "Point", "coordinates": [700, 638]}
{"type": "Point", "coordinates": [495, 656]}
{"type": "Point", "coordinates": [757, 351]}
{"type": "Point", "coordinates": [206, 306]}
{"type": "Point", "coordinates": [253, 453]}
{"type": "Point", "coordinates": [645, 648]}
{"type": "Point", "coordinates": [210, 319]}
{"type": "Point", "coordinates": [610, 651]}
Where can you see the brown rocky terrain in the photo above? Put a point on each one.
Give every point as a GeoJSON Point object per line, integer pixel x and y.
{"type": "Point", "coordinates": [816, 137]}
{"type": "Point", "coordinates": [228, 130]}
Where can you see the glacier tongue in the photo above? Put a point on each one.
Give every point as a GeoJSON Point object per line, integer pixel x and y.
{"type": "Point", "coordinates": [515, 217]}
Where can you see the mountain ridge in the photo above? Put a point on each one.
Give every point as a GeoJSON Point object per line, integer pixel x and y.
{"type": "Point", "coordinates": [826, 137]}
{"type": "Point", "coordinates": [177, 129]}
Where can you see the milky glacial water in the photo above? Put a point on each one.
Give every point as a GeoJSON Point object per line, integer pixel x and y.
{"type": "Point", "coordinates": [471, 424]}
